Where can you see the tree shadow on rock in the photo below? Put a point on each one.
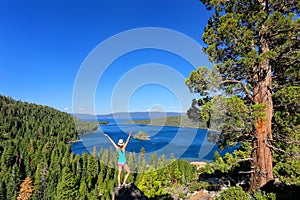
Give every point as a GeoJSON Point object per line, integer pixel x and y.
{"type": "Point", "coordinates": [283, 191]}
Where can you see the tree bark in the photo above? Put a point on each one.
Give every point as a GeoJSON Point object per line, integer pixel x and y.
{"type": "Point", "coordinates": [262, 155]}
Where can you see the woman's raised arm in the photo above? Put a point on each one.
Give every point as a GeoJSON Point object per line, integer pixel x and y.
{"type": "Point", "coordinates": [111, 140]}
{"type": "Point", "coordinates": [128, 139]}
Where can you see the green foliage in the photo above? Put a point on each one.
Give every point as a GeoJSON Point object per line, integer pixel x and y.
{"type": "Point", "coordinates": [287, 134]}
{"type": "Point", "coordinates": [142, 161]}
{"type": "Point", "coordinates": [151, 183]}
{"type": "Point", "coordinates": [33, 143]}
{"type": "Point", "coordinates": [236, 193]}
{"type": "Point", "coordinates": [156, 182]}
{"type": "Point", "coordinates": [257, 195]}
{"type": "Point", "coordinates": [255, 48]}
{"type": "Point", "coordinates": [288, 171]}
{"type": "Point", "coordinates": [83, 191]}
{"type": "Point", "coordinates": [179, 121]}
{"type": "Point", "coordinates": [84, 126]}
{"type": "Point", "coordinates": [226, 168]}
{"type": "Point", "coordinates": [153, 160]}
{"type": "Point", "coordinates": [181, 195]}
{"type": "Point", "coordinates": [197, 186]}
{"type": "Point", "coordinates": [2, 190]}
{"type": "Point", "coordinates": [204, 81]}
{"type": "Point", "coordinates": [67, 187]}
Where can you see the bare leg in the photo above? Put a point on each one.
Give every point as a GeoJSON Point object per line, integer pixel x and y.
{"type": "Point", "coordinates": [126, 167]}
{"type": "Point", "coordinates": [119, 175]}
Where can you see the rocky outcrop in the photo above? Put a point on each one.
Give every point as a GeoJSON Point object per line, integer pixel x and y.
{"type": "Point", "coordinates": [199, 164]}
{"type": "Point", "coordinates": [128, 192]}
{"type": "Point", "coordinates": [202, 195]}
{"type": "Point", "coordinates": [141, 135]}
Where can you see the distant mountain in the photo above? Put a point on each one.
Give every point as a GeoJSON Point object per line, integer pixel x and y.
{"type": "Point", "coordinates": [84, 116]}
{"type": "Point", "coordinates": [127, 115]}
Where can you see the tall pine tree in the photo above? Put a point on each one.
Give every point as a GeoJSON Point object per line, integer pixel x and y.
{"type": "Point", "coordinates": [255, 47]}
{"type": "Point", "coordinates": [67, 188]}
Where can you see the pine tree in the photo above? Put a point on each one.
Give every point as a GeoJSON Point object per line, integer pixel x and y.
{"type": "Point", "coordinates": [53, 178]}
{"type": "Point", "coordinates": [93, 195]}
{"type": "Point", "coordinates": [2, 190]}
{"type": "Point", "coordinates": [13, 179]}
{"type": "Point", "coordinates": [83, 191]}
{"type": "Point", "coordinates": [151, 183]}
{"type": "Point", "coordinates": [142, 164]}
{"type": "Point", "coordinates": [40, 181]}
{"type": "Point", "coordinates": [92, 168]}
{"type": "Point", "coordinates": [153, 160]}
{"type": "Point", "coordinates": [26, 189]}
{"type": "Point", "coordinates": [67, 188]}
{"type": "Point", "coordinates": [132, 162]}
{"type": "Point", "coordinates": [7, 156]}
{"type": "Point", "coordinates": [162, 161]}
{"type": "Point", "coordinates": [255, 48]}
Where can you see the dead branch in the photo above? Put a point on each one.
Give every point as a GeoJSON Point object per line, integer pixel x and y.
{"type": "Point", "coordinates": [246, 172]}
{"type": "Point", "coordinates": [245, 159]}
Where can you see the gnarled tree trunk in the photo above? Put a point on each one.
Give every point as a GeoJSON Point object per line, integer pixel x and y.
{"type": "Point", "coordinates": [261, 154]}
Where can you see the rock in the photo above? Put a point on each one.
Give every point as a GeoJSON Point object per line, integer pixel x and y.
{"type": "Point", "coordinates": [128, 192]}
{"type": "Point", "coordinates": [202, 195]}
{"type": "Point", "coordinates": [199, 164]}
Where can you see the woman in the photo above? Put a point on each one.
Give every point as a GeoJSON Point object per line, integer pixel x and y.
{"type": "Point", "coordinates": [121, 147]}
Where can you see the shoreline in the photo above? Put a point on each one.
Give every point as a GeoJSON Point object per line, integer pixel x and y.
{"type": "Point", "coordinates": [168, 125]}
{"type": "Point", "coordinates": [74, 141]}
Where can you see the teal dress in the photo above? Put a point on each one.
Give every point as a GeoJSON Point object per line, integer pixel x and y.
{"type": "Point", "coordinates": [121, 157]}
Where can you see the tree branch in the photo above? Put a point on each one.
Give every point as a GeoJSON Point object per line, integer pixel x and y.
{"type": "Point", "coordinates": [282, 31]}
{"type": "Point", "coordinates": [243, 86]}
{"type": "Point", "coordinates": [285, 140]}
{"type": "Point", "coordinates": [246, 159]}
{"type": "Point", "coordinates": [276, 149]}
{"type": "Point", "coordinates": [247, 172]}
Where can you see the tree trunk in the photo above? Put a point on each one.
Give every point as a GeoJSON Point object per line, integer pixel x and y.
{"type": "Point", "coordinates": [261, 154]}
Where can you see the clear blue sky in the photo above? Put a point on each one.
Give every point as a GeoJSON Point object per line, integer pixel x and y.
{"type": "Point", "coordinates": [44, 43]}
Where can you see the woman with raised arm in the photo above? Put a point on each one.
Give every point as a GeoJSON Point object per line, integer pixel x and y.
{"type": "Point", "coordinates": [121, 147]}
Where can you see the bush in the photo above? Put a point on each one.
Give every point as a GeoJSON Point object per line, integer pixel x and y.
{"type": "Point", "coordinates": [196, 186]}
{"type": "Point", "coordinates": [236, 193]}
{"type": "Point", "coordinates": [263, 196]}
{"type": "Point", "coordinates": [181, 195]}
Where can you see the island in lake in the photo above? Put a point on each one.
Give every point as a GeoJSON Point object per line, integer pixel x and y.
{"type": "Point", "coordinates": [141, 135]}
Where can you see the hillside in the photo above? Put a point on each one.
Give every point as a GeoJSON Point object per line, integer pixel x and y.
{"type": "Point", "coordinates": [33, 143]}
{"type": "Point", "coordinates": [179, 121]}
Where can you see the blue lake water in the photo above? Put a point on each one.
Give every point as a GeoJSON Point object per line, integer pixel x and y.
{"type": "Point", "coordinates": [184, 143]}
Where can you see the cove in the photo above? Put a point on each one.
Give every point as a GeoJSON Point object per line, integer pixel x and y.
{"type": "Point", "coordinates": [183, 143]}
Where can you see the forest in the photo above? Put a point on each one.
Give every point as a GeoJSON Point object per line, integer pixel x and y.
{"type": "Point", "coordinates": [36, 158]}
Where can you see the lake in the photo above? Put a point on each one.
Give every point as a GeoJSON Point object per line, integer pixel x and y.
{"type": "Point", "coordinates": [185, 143]}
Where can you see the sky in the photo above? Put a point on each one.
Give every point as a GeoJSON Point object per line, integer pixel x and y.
{"type": "Point", "coordinates": [101, 56]}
